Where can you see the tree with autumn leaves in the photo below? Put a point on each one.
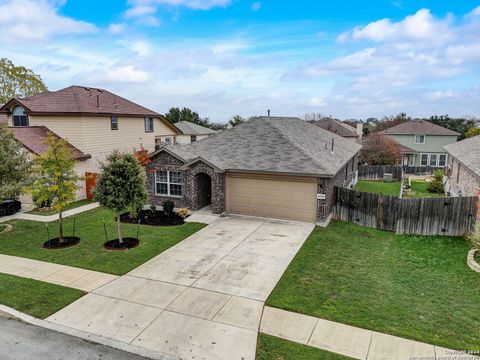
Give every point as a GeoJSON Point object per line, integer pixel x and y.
{"type": "Point", "coordinates": [380, 150]}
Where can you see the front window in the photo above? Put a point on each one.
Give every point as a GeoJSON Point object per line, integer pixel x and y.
{"type": "Point", "coordinates": [148, 124]}
{"type": "Point", "coordinates": [442, 160]}
{"type": "Point", "coordinates": [193, 138]}
{"type": "Point", "coordinates": [169, 183]}
{"type": "Point", "coordinates": [433, 159]}
{"type": "Point", "coordinates": [114, 123]}
{"type": "Point", "coordinates": [424, 160]}
{"type": "Point", "coordinates": [168, 141]}
{"type": "Point", "coordinates": [419, 139]}
{"type": "Point", "coordinates": [19, 116]}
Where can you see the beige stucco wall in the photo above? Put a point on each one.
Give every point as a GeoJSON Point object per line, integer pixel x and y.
{"type": "Point", "coordinates": [464, 180]}
{"type": "Point", "coordinates": [185, 139]}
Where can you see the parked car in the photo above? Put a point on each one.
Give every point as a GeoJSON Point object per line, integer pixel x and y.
{"type": "Point", "coordinates": [10, 207]}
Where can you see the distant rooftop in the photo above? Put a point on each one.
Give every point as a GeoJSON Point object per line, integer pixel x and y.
{"type": "Point", "coordinates": [189, 128]}
{"type": "Point", "coordinates": [418, 127]}
{"type": "Point", "coordinates": [337, 127]}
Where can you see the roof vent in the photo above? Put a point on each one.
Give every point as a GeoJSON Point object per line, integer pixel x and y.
{"type": "Point", "coordinates": [98, 101]}
{"type": "Point", "coordinates": [333, 143]}
{"type": "Point", "coordinates": [268, 112]}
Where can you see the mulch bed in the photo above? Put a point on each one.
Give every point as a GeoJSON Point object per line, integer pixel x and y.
{"type": "Point", "coordinates": [57, 243]}
{"type": "Point", "coordinates": [156, 218]}
{"type": "Point", "coordinates": [127, 243]}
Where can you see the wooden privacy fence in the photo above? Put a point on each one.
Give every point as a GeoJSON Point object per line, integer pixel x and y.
{"type": "Point", "coordinates": [375, 172]}
{"type": "Point", "coordinates": [423, 216]}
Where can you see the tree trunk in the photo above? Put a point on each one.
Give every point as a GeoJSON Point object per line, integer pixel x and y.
{"type": "Point", "coordinates": [119, 226]}
{"type": "Point", "coordinates": [60, 220]}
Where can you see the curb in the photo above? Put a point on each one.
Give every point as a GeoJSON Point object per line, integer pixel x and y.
{"type": "Point", "coordinates": [8, 312]}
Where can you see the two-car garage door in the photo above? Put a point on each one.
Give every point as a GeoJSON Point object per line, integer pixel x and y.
{"type": "Point", "coordinates": [273, 196]}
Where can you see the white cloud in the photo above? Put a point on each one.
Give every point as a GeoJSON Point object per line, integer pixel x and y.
{"type": "Point", "coordinates": [121, 74]}
{"type": "Point", "coordinates": [28, 20]}
{"type": "Point", "coordinates": [316, 101]}
{"type": "Point", "coordinates": [140, 10]}
{"type": "Point", "coordinates": [116, 28]}
{"type": "Point", "coordinates": [475, 12]}
{"type": "Point", "coordinates": [421, 26]}
{"type": "Point", "coordinates": [256, 6]}
{"type": "Point", "coordinates": [192, 4]}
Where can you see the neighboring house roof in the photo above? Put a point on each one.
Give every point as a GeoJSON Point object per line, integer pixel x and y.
{"type": "Point", "coordinates": [467, 152]}
{"type": "Point", "coordinates": [420, 127]}
{"type": "Point", "coordinates": [33, 138]}
{"type": "Point", "coordinates": [189, 128]}
{"type": "Point", "coordinates": [406, 150]}
{"type": "Point", "coordinates": [337, 127]}
{"type": "Point", "coordinates": [81, 100]}
{"type": "Point", "coordinates": [272, 145]}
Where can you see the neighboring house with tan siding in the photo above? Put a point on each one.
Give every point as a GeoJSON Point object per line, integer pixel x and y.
{"type": "Point", "coordinates": [192, 132]}
{"type": "Point", "coordinates": [465, 166]}
{"type": "Point", "coordinates": [94, 121]}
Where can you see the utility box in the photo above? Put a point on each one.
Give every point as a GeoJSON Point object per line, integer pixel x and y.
{"type": "Point", "coordinates": [387, 177]}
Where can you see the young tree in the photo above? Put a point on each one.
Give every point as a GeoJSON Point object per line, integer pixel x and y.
{"type": "Point", "coordinates": [121, 186]}
{"type": "Point", "coordinates": [14, 167]}
{"type": "Point", "coordinates": [176, 114]}
{"type": "Point", "coordinates": [143, 156]}
{"type": "Point", "coordinates": [473, 131]}
{"type": "Point", "coordinates": [55, 177]}
{"type": "Point", "coordinates": [236, 120]}
{"type": "Point", "coordinates": [380, 150]}
{"type": "Point", "coordinates": [18, 81]}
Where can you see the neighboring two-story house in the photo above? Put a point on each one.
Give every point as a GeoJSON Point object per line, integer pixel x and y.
{"type": "Point", "coordinates": [422, 142]}
{"type": "Point", "coordinates": [93, 121]}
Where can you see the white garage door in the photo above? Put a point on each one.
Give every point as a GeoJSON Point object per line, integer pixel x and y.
{"type": "Point", "coordinates": [273, 196]}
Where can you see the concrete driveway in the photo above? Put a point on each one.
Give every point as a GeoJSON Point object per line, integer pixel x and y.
{"type": "Point", "coordinates": [201, 299]}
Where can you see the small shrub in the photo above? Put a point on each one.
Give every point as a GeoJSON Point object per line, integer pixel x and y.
{"type": "Point", "coordinates": [168, 206]}
{"type": "Point", "coordinates": [436, 186]}
{"type": "Point", "coordinates": [182, 212]}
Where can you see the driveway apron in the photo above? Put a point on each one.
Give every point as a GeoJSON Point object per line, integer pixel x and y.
{"type": "Point", "coordinates": [202, 298]}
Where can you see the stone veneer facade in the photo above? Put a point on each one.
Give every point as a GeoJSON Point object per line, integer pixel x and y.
{"type": "Point", "coordinates": [191, 198]}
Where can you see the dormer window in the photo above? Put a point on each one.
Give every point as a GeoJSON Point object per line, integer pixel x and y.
{"type": "Point", "coordinates": [20, 117]}
{"type": "Point", "coordinates": [419, 139]}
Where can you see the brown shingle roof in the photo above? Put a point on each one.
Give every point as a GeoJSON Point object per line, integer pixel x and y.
{"type": "Point", "coordinates": [33, 138]}
{"type": "Point", "coordinates": [82, 100]}
{"type": "Point", "coordinates": [337, 127]}
{"type": "Point", "coordinates": [420, 127]}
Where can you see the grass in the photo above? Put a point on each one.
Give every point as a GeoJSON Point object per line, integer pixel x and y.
{"type": "Point", "coordinates": [273, 348]}
{"type": "Point", "coordinates": [36, 298]}
{"type": "Point", "coordinates": [420, 189]}
{"type": "Point", "coordinates": [417, 287]}
{"type": "Point", "coordinates": [70, 206]}
{"type": "Point", "coordinates": [378, 186]}
{"type": "Point", "coordinates": [26, 239]}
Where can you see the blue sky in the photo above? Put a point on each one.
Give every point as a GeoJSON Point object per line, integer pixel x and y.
{"type": "Point", "coordinates": [348, 59]}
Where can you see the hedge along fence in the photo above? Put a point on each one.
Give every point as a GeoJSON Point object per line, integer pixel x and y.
{"type": "Point", "coordinates": [422, 216]}
{"type": "Point", "coordinates": [375, 172]}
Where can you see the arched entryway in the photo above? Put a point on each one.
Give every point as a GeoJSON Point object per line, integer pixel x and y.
{"type": "Point", "coordinates": [203, 190]}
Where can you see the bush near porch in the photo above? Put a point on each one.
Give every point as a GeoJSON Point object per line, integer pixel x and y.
{"type": "Point", "coordinates": [417, 287]}
{"type": "Point", "coordinates": [27, 237]}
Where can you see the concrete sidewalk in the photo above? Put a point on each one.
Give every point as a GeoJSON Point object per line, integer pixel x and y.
{"type": "Point", "coordinates": [49, 218]}
{"type": "Point", "coordinates": [86, 280]}
{"type": "Point", "coordinates": [348, 340]}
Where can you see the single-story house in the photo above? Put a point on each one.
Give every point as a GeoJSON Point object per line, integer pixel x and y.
{"type": "Point", "coordinates": [421, 142]}
{"type": "Point", "coordinates": [192, 132]}
{"type": "Point", "coordinates": [465, 166]}
{"type": "Point", "coordinates": [275, 167]}
{"type": "Point", "coordinates": [341, 128]}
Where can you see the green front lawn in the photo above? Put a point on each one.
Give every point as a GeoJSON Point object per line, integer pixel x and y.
{"type": "Point", "coordinates": [379, 187]}
{"type": "Point", "coordinates": [26, 239]}
{"type": "Point", "coordinates": [420, 189]}
{"type": "Point", "coordinates": [36, 298]}
{"type": "Point", "coordinates": [416, 287]}
{"type": "Point", "coordinates": [273, 348]}
{"type": "Point", "coordinates": [70, 206]}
